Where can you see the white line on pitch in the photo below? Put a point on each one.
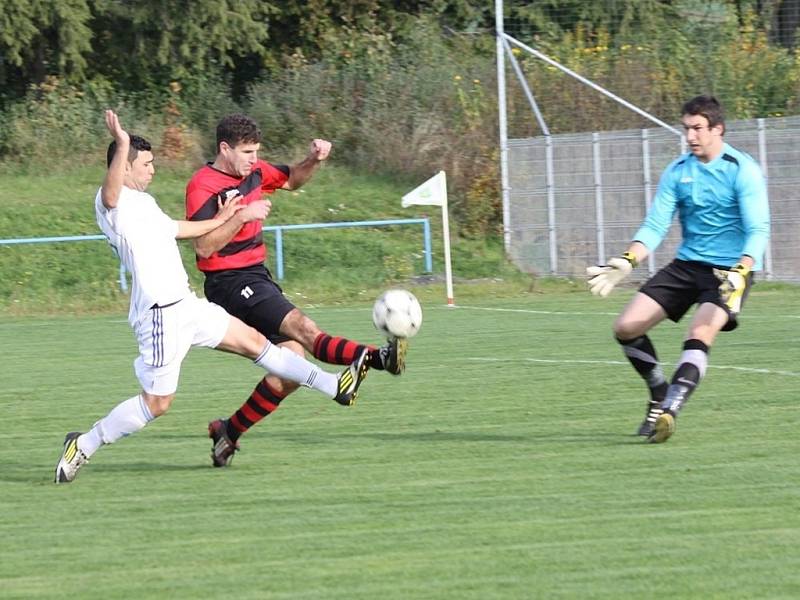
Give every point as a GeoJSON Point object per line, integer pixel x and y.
{"type": "Point", "coordinates": [536, 312]}
{"type": "Point", "coordinates": [619, 362]}
{"type": "Point", "coordinates": [572, 313]}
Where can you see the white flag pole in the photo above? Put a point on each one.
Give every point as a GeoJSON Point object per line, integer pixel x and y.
{"type": "Point", "coordinates": [433, 192]}
{"type": "Point", "coordinates": [448, 271]}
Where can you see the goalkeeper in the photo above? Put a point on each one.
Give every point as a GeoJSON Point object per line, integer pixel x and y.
{"type": "Point", "coordinates": [720, 196]}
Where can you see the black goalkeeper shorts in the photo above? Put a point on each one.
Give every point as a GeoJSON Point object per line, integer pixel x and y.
{"type": "Point", "coordinates": [682, 283]}
{"type": "Point", "coordinates": [252, 296]}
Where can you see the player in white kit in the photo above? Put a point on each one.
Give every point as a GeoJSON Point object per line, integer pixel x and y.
{"type": "Point", "coordinates": [167, 317]}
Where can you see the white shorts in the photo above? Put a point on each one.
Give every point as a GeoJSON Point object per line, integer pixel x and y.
{"type": "Point", "coordinates": [165, 336]}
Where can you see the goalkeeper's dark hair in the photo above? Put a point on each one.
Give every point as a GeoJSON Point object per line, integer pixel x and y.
{"type": "Point", "coordinates": [238, 129]}
{"type": "Point", "coordinates": [708, 107]}
{"type": "Point", "coordinates": [138, 144]}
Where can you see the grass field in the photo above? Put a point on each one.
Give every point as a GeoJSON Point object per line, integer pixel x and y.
{"type": "Point", "coordinates": [501, 465]}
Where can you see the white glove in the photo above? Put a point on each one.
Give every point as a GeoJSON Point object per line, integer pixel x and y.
{"type": "Point", "coordinates": [605, 277]}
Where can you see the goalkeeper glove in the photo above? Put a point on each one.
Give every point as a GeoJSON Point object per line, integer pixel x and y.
{"type": "Point", "coordinates": [605, 277]}
{"type": "Point", "coordinates": [732, 285]}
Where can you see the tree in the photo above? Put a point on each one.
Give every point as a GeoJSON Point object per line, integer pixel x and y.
{"type": "Point", "coordinates": [150, 43]}
{"type": "Point", "coordinates": [40, 38]}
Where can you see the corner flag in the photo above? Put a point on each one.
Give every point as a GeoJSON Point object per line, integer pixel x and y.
{"type": "Point", "coordinates": [434, 193]}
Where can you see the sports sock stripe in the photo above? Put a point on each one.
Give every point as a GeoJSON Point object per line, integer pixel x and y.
{"type": "Point", "coordinates": [250, 413]}
{"type": "Point", "coordinates": [321, 345]}
{"type": "Point", "coordinates": [337, 350]}
{"type": "Point", "coordinates": [261, 405]}
{"type": "Point", "coordinates": [263, 401]}
{"type": "Point", "coordinates": [148, 416]}
{"type": "Point", "coordinates": [311, 378]}
{"type": "Point", "coordinates": [238, 425]}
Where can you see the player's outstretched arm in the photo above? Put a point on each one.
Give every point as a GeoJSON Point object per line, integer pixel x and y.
{"type": "Point", "coordinates": [226, 212]}
{"type": "Point", "coordinates": [603, 278]}
{"type": "Point", "coordinates": [212, 241]}
{"type": "Point", "coordinates": [112, 184]}
{"type": "Point", "coordinates": [301, 172]}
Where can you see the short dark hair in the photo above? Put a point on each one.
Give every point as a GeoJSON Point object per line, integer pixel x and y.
{"type": "Point", "coordinates": [236, 129]}
{"type": "Point", "coordinates": [705, 106]}
{"type": "Point", "coordinates": [138, 144]}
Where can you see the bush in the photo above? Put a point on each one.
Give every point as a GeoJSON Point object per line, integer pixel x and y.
{"type": "Point", "coordinates": [413, 101]}
{"type": "Point", "coordinates": [59, 124]}
{"type": "Point", "coordinates": [406, 109]}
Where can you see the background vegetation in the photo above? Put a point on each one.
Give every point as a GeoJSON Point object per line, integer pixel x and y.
{"type": "Point", "coordinates": [403, 89]}
{"type": "Point", "coordinates": [335, 266]}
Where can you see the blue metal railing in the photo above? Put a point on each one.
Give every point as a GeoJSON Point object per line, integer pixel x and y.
{"type": "Point", "coordinates": [278, 229]}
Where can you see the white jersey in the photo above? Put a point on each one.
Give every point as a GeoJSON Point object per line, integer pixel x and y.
{"type": "Point", "coordinates": [144, 237]}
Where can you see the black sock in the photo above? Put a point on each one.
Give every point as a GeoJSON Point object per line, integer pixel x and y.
{"type": "Point", "coordinates": [642, 355]}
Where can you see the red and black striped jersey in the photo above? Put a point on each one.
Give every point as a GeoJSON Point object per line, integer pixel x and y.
{"type": "Point", "coordinates": [207, 185]}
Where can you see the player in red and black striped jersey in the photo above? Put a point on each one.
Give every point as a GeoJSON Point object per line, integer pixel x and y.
{"type": "Point", "coordinates": [232, 259]}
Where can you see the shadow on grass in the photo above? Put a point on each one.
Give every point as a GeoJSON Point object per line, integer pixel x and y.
{"type": "Point", "coordinates": [43, 474]}
{"type": "Point", "coordinates": [593, 438]}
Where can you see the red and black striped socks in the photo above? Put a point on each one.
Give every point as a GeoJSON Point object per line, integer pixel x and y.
{"type": "Point", "coordinates": [341, 351]}
{"type": "Point", "coordinates": [262, 402]}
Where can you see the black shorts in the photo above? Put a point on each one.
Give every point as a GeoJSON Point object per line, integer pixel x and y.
{"type": "Point", "coordinates": [683, 283]}
{"type": "Point", "coordinates": [251, 295]}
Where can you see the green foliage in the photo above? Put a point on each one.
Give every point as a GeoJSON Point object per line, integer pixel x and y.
{"type": "Point", "coordinates": [389, 83]}
{"type": "Point", "coordinates": [412, 116]}
{"type": "Point", "coordinates": [149, 44]}
{"type": "Point", "coordinates": [59, 123]}
{"type": "Point", "coordinates": [40, 38]}
{"type": "Point", "coordinates": [655, 56]}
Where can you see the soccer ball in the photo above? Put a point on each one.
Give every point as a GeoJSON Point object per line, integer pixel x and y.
{"type": "Point", "coordinates": [397, 313]}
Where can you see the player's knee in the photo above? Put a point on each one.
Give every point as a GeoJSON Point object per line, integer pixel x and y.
{"type": "Point", "coordinates": [158, 405]}
{"type": "Point", "coordinates": [625, 329]}
{"type": "Point", "coordinates": [300, 327]}
{"type": "Point", "coordinates": [621, 329]}
{"type": "Point", "coordinates": [249, 342]}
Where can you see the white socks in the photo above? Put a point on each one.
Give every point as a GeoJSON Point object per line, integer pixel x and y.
{"type": "Point", "coordinates": [132, 415]}
{"type": "Point", "coordinates": [126, 418]}
{"type": "Point", "coordinates": [287, 365]}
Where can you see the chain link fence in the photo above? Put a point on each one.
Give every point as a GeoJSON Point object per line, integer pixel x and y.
{"type": "Point", "coordinates": [601, 184]}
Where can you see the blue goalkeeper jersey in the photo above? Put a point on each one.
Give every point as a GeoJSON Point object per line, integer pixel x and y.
{"type": "Point", "coordinates": [722, 207]}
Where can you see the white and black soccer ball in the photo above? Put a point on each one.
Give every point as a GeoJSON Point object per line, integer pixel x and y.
{"type": "Point", "coordinates": [397, 313]}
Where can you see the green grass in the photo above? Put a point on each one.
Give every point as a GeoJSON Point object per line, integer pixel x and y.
{"type": "Point", "coordinates": [321, 265]}
{"type": "Point", "coordinates": [501, 465]}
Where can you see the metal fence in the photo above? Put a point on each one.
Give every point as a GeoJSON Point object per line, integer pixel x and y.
{"type": "Point", "coordinates": [600, 186]}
